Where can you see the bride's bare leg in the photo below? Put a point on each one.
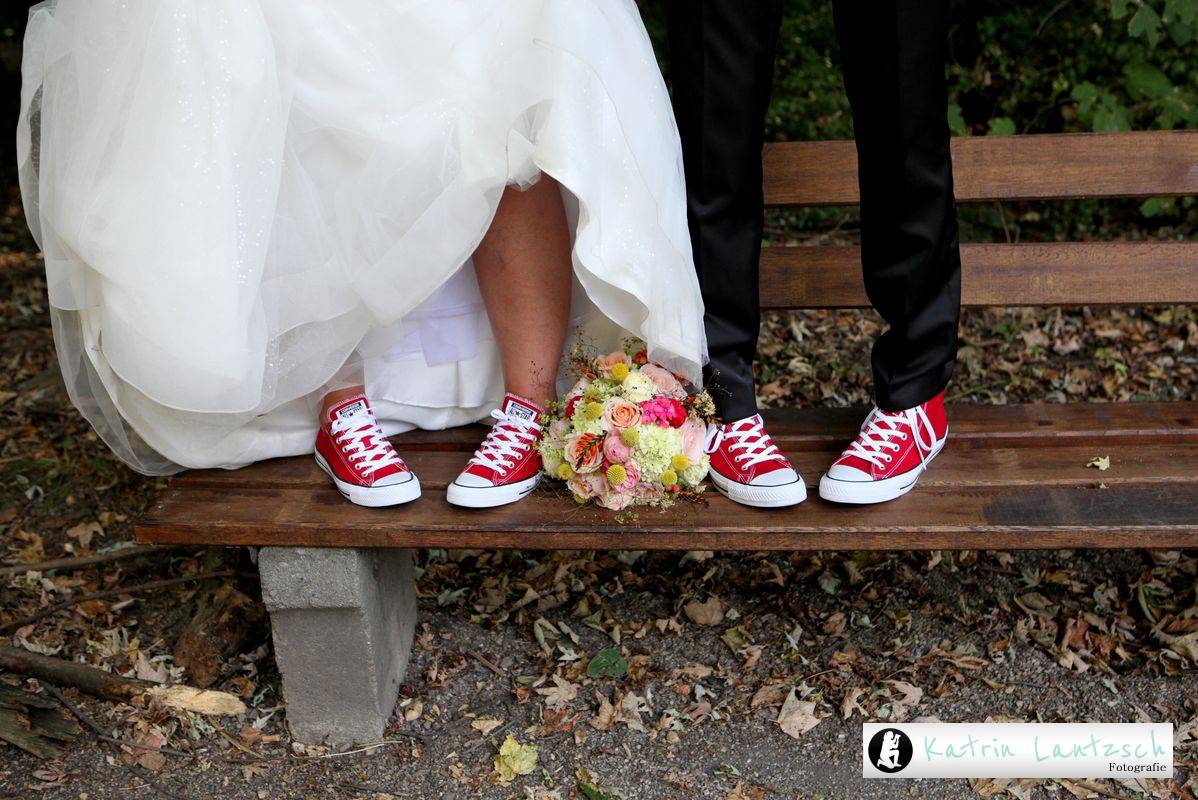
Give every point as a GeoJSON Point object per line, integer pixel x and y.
{"type": "Point", "coordinates": [524, 272]}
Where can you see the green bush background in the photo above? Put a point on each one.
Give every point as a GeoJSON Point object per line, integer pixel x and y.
{"type": "Point", "coordinates": [1014, 67]}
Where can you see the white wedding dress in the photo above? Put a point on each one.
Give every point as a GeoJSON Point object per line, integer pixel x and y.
{"type": "Point", "coordinates": [240, 202]}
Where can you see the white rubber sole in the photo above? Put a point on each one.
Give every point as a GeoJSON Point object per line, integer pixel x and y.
{"type": "Point", "coordinates": [788, 494]}
{"type": "Point", "coordinates": [870, 492]}
{"type": "Point", "coordinates": [374, 496]}
{"type": "Point", "coordinates": [490, 496]}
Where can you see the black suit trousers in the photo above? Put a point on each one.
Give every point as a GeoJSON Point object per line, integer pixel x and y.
{"type": "Point", "coordinates": [722, 63]}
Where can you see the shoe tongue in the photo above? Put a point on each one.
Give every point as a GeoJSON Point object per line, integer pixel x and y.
{"type": "Point", "coordinates": [747, 422]}
{"type": "Point", "coordinates": [518, 407]}
{"type": "Point", "coordinates": [353, 407]}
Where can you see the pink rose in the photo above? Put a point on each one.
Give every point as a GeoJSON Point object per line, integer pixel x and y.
{"type": "Point", "coordinates": [633, 477]}
{"type": "Point", "coordinates": [616, 501]}
{"type": "Point", "coordinates": [664, 380]}
{"type": "Point", "coordinates": [615, 450]}
{"type": "Point", "coordinates": [603, 364]}
{"type": "Point", "coordinates": [584, 451]}
{"type": "Point", "coordinates": [665, 412]}
{"type": "Point", "coordinates": [619, 414]}
{"type": "Point", "coordinates": [694, 440]}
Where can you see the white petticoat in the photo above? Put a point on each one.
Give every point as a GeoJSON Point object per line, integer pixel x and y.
{"type": "Point", "coordinates": [240, 200]}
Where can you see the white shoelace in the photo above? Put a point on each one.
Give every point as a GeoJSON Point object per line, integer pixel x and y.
{"type": "Point", "coordinates": [753, 440]}
{"type": "Point", "coordinates": [510, 438]}
{"type": "Point", "coordinates": [361, 439]}
{"type": "Point", "coordinates": [874, 443]}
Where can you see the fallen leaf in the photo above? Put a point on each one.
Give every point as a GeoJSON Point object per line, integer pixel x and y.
{"type": "Point", "coordinates": [850, 704]}
{"type": "Point", "coordinates": [607, 664]}
{"type": "Point", "coordinates": [606, 716]}
{"type": "Point", "coordinates": [772, 695]}
{"type": "Point", "coordinates": [514, 759]}
{"type": "Point", "coordinates": [561, 693]}
{"type": "Point", "coordinates": [709, 613]}
{"type": "Point", "coordinates": [1100, 463]}
{"type": "Point", "coordinates": [911, 697]}
{"type": "Point", "coordinates": [201, 701]}
{"type": "Point", "coordinates": [797, 716]}
{"type": "Point", "coordinates": [485, 725]}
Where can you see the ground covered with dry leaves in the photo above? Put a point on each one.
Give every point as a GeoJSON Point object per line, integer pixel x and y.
{"type": "Point", "coordinates": [614, 675]}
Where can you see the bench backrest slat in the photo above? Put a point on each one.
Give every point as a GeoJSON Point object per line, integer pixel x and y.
{"type": "Point", "coordinates": [1088, 273]}
{"type": "Point", "coordinates": [1040, 167]}
{"type": "Point", "coordinates": [996, 168]}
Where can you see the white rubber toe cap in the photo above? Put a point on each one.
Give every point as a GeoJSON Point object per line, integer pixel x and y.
{"type": "Point", "coordinates": [472, 481]}
{"type": "Point", "coordinates": [839, 472]}
{"type": "Point", "coordinates": [394, 480]}
{"type": "Point", "coordinates": [779, 477]}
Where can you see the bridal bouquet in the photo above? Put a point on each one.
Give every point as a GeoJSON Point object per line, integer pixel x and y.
{"type": "Point", "coordinates": [628, 433]}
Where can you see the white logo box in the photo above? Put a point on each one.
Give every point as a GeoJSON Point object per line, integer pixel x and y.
{"type": "Point", "coordinates": [1020, 750]}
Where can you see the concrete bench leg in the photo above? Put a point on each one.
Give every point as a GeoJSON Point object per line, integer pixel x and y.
{"type": "Point", "coordinates": [342, 621]}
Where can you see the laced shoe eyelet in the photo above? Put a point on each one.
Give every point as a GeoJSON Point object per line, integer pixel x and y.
{"type": "Point", "coordinates": [888, 458]}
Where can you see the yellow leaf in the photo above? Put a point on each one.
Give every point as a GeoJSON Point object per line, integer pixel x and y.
{"type": "Point", "coordinates": [515, 759]}
{"type": "Point", "coordinates": [1100, 463]}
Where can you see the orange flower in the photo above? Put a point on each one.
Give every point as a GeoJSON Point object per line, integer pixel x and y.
{"type": "Point", "coordinates": [584, 452]}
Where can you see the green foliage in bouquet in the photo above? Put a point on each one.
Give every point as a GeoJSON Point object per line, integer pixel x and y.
{"type": "Point", "coordinates": [628, 433]}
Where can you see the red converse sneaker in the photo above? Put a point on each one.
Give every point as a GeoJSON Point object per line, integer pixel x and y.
{"type": "Point", "coordinates": [364, 466]}
{"type": "Point", "coordinates": [891, 452]}
{"type": "Point", "coordinates": [749, 468]}
{"type": "Point", "coordinates": [506, 466]}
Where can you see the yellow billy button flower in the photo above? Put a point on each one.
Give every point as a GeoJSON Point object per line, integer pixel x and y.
{"type": "Point", "coordinates": [616, 475]}
{"type": "Point", "coordinates": [630, 436]}
{"type": "Point", "coordinates": [680, 462]}
{"type": "Point", "coordinates": [619, 372]}
{"type": "Point", "coordinates": [594, 410]}
{"type": "Point", "coordinates": [565, 472]}
{"type": "Point", "coordinates": [669, 478]}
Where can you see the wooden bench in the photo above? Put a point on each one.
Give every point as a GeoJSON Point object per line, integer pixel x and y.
{"type": "Point", "coordinates": [337, 577]}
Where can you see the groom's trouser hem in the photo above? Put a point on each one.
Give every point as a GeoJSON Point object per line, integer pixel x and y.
{"type": "Point", "coordinates": [894, 54]}
{"type": "Point", "coordinates": [721, 63]}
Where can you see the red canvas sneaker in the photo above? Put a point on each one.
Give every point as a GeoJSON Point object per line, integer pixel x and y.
{"type": "Point", "coordinates": [749, 468]}
{"type": "Point", "coordinates": [891, 452]}
{"type": "Point", "coordinates": [364, 466]}
{"type": "Point", "coordinates": [506, 466]}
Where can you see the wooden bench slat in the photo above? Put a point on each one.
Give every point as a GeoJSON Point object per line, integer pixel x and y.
{"type": "Point", "coordinates": [958, 466]}
{"type": "Point", "coordinates": [1051, 274]}
{"type": "Point", "coordinates": [995, 517]}
{"type": "Point", "coordinates": [1024, 425]}
{"type": "Point", "coordinates": [1028, 167]}
{"type": "Point", "coordinates": [1014, 476]}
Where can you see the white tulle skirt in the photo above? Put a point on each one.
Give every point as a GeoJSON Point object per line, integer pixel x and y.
{"type": "Point", "coordinates": [242, 202]}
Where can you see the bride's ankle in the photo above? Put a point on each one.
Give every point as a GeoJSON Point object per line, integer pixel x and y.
{"type": "Point", "coordinates": [333, 398]}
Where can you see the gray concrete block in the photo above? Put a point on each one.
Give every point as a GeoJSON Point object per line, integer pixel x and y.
{"type": "Point", "coordinates": [342, 620]}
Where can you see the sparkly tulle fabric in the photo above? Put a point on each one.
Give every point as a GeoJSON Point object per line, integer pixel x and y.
{"type": "Point", "coordinates": [243, 203]}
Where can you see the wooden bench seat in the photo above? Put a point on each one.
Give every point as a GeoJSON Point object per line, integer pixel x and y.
{"type": "Point", "coordinates": [1013, 477]}
{"type": "Point", "coordinates": [337, 578]}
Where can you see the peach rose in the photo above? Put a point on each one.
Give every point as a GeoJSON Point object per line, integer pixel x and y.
{"type": "Point", "coordinates": [694, 439]}
{"type": "Point", "coordinates": [584, 452]}
{"type": "Point", "coordinates": [585, 486]}
{"type": "Point", "coordinates": [664, 380]}
{"type": "Point", "coordinates": [619, 414]}
{"type": "Point", "coordinates": [603, 364]}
